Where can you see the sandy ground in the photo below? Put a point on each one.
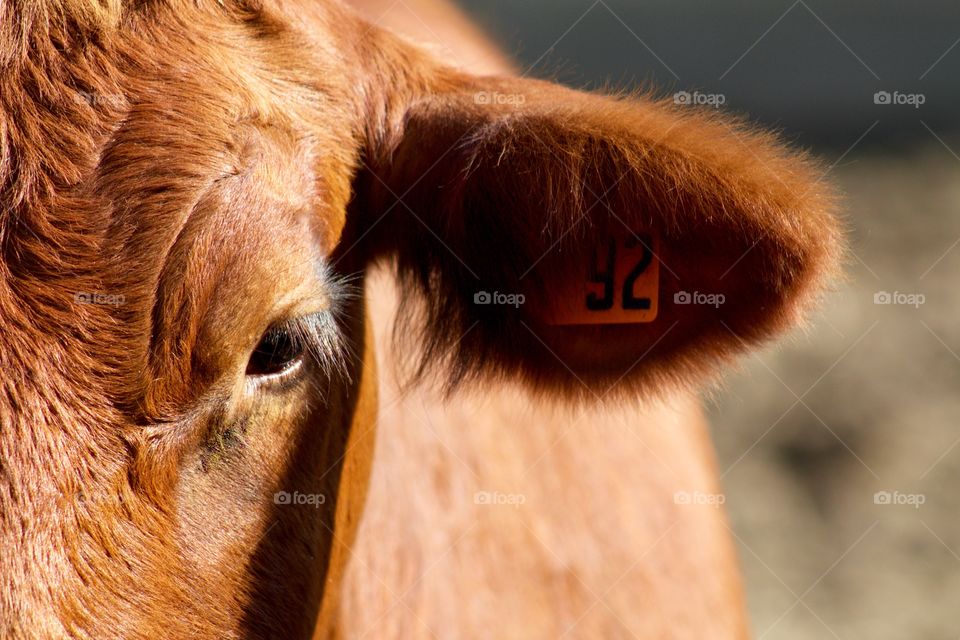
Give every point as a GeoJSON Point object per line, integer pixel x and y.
{"type": "Point", "coordinates": [867, 401]}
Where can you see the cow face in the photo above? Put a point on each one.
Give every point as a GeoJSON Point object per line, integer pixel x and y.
{"type": "Point", "coordinates": [192, 192]}
{"type": "Point", "coordinates": [185, 360]}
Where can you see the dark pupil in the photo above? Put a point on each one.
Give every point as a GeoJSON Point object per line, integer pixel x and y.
{"type": "Point", "coordinates": [277, 351]}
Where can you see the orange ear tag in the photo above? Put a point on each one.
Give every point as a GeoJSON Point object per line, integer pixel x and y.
{"type": "Point", "coordinates": [620, 284]}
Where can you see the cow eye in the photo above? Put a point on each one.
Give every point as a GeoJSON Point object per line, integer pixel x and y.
{"type": "Point", "coordinates": [278, 351]}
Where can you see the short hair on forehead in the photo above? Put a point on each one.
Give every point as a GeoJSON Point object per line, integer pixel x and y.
{"type": "Point", "coordinates": [25, 23]}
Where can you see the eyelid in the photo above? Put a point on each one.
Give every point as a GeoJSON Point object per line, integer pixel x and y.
{"type": "Point", "coordinates": [320, 337]}
{"type": "Point", "coordinates": [279, 380]}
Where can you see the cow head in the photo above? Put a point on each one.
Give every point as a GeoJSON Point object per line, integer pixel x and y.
{"type": "Point", "coordinates": [190, 194]}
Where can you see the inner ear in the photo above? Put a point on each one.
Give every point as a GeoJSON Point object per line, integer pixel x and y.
{"type": "Point", "coordinates": [530, 199]}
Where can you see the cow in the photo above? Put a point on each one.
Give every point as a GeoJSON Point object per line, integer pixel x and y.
{"type": "Point", "coordinates": [312, 329]}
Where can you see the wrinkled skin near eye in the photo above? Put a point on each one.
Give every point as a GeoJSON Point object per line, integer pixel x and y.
{"type": "Point", "coordinates": [283, 432]}
{"type": "Point", "coordinates": [271, 408]}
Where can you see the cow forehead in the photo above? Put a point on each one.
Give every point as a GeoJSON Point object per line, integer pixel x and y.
{"type": "Point", "coordinates": [291, 129]}
{"type": "Point", "coordinates": [231, 223]}
{"type": "Point", "coordinates": [218, 155]}
{"type": "Point", "coordinates": [158, 171]}
{"type": "Point", "coordinates": [265, 147]}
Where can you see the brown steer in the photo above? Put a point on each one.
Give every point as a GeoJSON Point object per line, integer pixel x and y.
{"type": "Point", "coordinates": [191, 192]}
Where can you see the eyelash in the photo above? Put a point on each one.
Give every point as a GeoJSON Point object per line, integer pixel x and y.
{"type": "Point", "coordinates": [319, 337]}
{"type": "Point", "coordinates": [316, 336]}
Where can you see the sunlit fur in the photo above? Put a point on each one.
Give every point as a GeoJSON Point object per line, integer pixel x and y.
{"type": "Point", "coordinates": [736, 214]}
{"type": "Point", "coordinates": [203, 159]}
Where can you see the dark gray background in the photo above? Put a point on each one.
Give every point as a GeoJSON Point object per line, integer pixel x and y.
{"type": "Point", "coordinates": [799, 77]}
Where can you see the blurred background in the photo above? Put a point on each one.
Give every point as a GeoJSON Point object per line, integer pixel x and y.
{"type": "Point", "coordinates": [840, 450]}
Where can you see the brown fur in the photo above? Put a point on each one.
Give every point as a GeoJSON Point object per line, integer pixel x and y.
{"type": "Point", "coordinates": [202, 160]}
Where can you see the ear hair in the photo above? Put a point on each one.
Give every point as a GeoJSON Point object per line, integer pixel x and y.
{"type": "Point", "coordinates": [473, 195]}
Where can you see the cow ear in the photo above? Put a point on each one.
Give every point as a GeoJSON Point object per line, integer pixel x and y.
{"type": "Point", "coordinates": [580, 243]}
